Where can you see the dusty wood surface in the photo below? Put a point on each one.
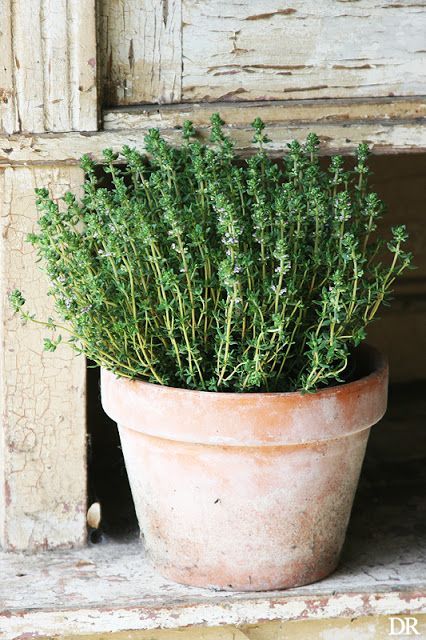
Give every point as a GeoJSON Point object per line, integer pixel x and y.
{"type": "Point", "coordinates": [48, 71]}
{"type": "Point", "coordinates": [111, 587]}
{"type": "Point", "coordinates": [267, 50]}
{"type": "Point", "coordinates": [43, 441]}
{"type": "Point", "coordinates": [111, 590]}
{"type": "Point", "coordinates": [140, 54]}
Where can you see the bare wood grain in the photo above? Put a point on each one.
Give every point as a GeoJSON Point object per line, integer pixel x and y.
{"type": "Point", "coordinates": [267, 50]}
{"type": "Point", "coordinates": [140, 51]}
{"type": "Point", "coordinates": [42, 395]}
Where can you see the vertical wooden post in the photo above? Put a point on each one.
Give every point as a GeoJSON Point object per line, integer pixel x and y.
{"type": "Point", "coordinates": [48, 67]}
{"type": "Point", "coordinates": [42, 395]}
{"type": "Point", "coordinates": [48, 84]}
{"type": "Point", "coordinates": [140, 47]}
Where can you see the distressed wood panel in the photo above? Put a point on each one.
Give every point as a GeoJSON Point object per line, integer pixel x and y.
{"type": "Point", "coordinates": [49, 68]}
{"type": "Point", "coordinates": [42, 395]}
{"type": "Point", "coordinates": [81, 21]}
{"type": "Point", "coordinates": [274, 50]}
{"type": "Point", "coordinates": [140, 51]}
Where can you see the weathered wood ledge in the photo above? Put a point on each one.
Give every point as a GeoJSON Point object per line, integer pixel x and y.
{"type": "Point", "coordinates": [388, 125]}
{"type": "Point", "coordinates": [112, 588]}
{"type": "Point", "coordinates": [311, 112]}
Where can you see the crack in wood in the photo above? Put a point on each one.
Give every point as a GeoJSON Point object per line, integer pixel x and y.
{"type": "Point", "coordinates": [266, 16]}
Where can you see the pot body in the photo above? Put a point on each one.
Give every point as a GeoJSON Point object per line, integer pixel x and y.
{"type": "Point", "coordinates": [245, 491]}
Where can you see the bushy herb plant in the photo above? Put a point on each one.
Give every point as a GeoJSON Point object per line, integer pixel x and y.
{"type": "Point", "coordinates": [197, 269]}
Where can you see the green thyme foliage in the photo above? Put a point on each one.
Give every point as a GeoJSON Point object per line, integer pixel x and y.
{"type": "Point", "coordinates": [200, 270]}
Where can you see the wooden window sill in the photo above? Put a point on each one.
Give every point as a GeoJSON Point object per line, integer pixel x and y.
{"type": "Point", "coordinates": [110, 587]}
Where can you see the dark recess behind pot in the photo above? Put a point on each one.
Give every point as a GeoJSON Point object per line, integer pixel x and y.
{"type": "Point", "coordinates": [107, 477]}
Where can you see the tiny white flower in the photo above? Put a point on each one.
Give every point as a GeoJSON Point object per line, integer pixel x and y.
{"type": "Point", "coordinates": [86, 309]}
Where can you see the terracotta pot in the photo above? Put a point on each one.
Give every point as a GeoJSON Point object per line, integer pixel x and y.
{"type": "Point", "coordinates": [245, 491]}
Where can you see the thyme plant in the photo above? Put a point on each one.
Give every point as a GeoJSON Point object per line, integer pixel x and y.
{"type": "Point", "coordinates": [201, 270]}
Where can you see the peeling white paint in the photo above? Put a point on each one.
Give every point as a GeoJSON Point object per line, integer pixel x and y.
{"type": "Point", "coordinates": [264, 50]}
{"type": "Point", "coordinates": [43, 440]}
{"type": "Point", "coordinates": [48, 74]}
{"type": "Point", "coordinates": [140, 52]}
{"type": "Point", "coordinates": [67, 148]}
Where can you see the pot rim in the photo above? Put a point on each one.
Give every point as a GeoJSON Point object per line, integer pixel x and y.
{"type": "Point", "coordinates": [249, 419]}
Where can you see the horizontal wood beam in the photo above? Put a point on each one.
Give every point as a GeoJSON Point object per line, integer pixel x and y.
{"type": "Point", "coordinates": [167, 51]}
{"type": "Point", "coordinates": [274, 112]}
{"type": "Point", "coordinates": [389, 127]}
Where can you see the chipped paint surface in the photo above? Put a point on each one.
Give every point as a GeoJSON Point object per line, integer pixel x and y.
{"type": "Point", "coordinates": [140, 54]}
{"type": "Point", "coordinates": [42, 448]}
{"type": "Point", "coordinates": [192, 50]}
{"type": "Point", "coordinates": [384, 137]}
{"type": "Point", "coordinates": [45, 71]}
{"type": "Point", "coordinates": [111, 588]}
{"type": "Point", "coordinates": [269, 51]}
